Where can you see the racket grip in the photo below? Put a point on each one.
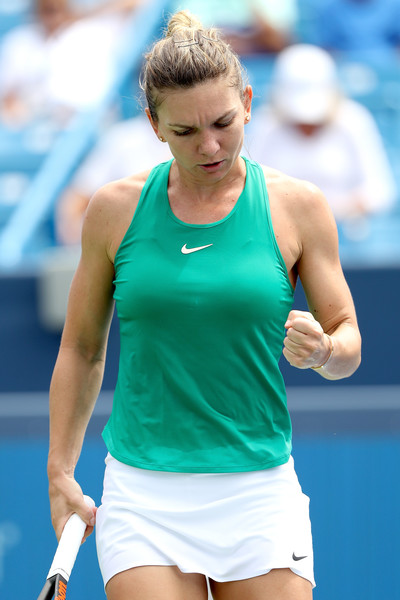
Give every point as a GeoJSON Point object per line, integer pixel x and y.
{"type": "Point", "coordinates": [69, 544]}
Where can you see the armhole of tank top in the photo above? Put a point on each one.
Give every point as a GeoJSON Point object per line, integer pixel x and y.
{"type": "Point", "coordinates": [153, 173]}
{"type": "Point", "coordinates": [270, 226]}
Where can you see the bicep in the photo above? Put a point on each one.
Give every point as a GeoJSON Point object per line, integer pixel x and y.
{"type": "Point", "coordinates": [90, 302]}
{"type": "Point", "coordinates": [325, 287]}
{"type": "Point", "coordinates": [89, 312]}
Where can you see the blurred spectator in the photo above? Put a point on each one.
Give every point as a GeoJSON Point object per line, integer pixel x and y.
{"type": "Point", "coordinates": [365, 29]}
{"type": "Point", "coordinates": [249, 25]}
{"type": "Point", "coordinates": [127, 147]}
{"type": "Point", "coordinates": [59, 64]}
{"type": "Point", "coordinates": [309, 130]}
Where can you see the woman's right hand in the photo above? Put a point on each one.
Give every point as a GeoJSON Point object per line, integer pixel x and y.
{"type": "Point", "coordinates": [66, 498]}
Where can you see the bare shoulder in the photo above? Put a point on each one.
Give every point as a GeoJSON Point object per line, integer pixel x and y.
{"type": "Point", "coordinates": [297, 195]}
{"type": "Point", "coordinates": [111, 209]}
{"type": "Point", "coordinates": [301, 217]}
{"type": "Point", "coordinates": [297, 202]}
{"type": "Point", "coordinates": [117, 196]}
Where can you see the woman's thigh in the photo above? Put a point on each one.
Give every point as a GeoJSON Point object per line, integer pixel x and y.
{"type": "Point", "coordinates": [278, 584]}
{"type": "Point", "coordinates": [156, 583]}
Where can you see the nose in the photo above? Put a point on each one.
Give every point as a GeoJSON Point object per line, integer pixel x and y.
{"type": "Point", "coordinates": [208, 143]}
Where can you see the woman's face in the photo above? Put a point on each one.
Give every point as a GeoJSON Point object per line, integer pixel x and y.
{"type": "Point", "coordinates": [204, 127]}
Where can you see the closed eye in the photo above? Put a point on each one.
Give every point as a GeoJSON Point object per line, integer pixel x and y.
{"type": "Point", "coordinates": [186, 132]}
{"type": "Point", "coordinates": [218, 124]}
{"type": "Point", "coordinates": [225, 124]}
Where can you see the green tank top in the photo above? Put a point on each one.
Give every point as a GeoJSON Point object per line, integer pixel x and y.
{"type": "Point", "coordinates": [201, 311]}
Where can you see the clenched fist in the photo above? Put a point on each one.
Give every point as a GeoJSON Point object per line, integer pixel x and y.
{"type": "Point", "coordinates": [305, 345]}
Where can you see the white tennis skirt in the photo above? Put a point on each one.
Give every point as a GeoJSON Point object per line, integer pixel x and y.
{"type": "Point", "coordinates": [227, 526]}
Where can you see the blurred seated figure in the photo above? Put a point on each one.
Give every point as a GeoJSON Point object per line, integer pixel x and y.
{"type": "Point", "coordinates": [366, 29]}
{"type": "Point", "coordinates": [127, 147]}
{"type": "Point", "coordinates": [60, 63]}
{"type": "Point", "coordinates": [249, 25]}
{"type": "Point", "coordinates": [309, 130]}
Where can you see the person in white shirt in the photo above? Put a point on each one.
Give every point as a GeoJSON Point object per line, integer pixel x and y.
{"type": "Point", "coordinates": [311, 131]}
{"type": "Point", "coordinates": [60, 63]}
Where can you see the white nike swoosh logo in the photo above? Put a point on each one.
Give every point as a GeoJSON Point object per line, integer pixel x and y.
{"type": "Point", "coordinates": [186, 250]}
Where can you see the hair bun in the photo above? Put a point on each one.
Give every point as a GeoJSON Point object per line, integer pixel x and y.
{"type": "Point", "coordinates": [182, 21]}
{"type": "Point", "coordinates": [186, 55]}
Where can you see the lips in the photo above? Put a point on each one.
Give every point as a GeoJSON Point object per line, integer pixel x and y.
{"type": "Point", "coordinates": [212, 166]}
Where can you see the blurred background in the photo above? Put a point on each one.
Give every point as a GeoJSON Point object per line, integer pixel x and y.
{"type": "Point", "coordinates": [326, 80]}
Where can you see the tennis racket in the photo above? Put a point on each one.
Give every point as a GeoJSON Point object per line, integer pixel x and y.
{"type": "Point", "coordinates": [64, 558]}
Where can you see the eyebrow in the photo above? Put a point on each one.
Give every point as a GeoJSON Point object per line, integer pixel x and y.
{"type": "Point", "coordinates": [181, 126]}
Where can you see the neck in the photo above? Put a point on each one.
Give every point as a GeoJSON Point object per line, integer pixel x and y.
{"type": "Point", "coordinates": [198, 202]}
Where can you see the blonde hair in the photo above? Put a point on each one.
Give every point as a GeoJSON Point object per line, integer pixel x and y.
{"type": "Point", "coordinates": [188, 54]}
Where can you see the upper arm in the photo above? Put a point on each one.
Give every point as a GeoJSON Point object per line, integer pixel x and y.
{"type": "Point", "coordinates": [90, 303]}
{"type": "Point", "coordinates": [327, 293]}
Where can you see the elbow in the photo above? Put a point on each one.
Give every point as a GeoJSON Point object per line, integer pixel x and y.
{"type": "Point", "coordinates": [353, 363]}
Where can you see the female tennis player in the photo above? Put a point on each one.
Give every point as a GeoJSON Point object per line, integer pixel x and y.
{"type": "Point", "coordinates": [201, 256]}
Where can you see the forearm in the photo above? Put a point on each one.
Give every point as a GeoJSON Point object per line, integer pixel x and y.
{"type": "Point", "coordinates": [332, 352]}
{"type": "Point", "coordinates": [344, 353]}
{"type": "Point", "coordinates": [74, 389]}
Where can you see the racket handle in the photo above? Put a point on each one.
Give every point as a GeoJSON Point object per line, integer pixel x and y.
{"type": "Point", "coordinates": [69, 544]}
